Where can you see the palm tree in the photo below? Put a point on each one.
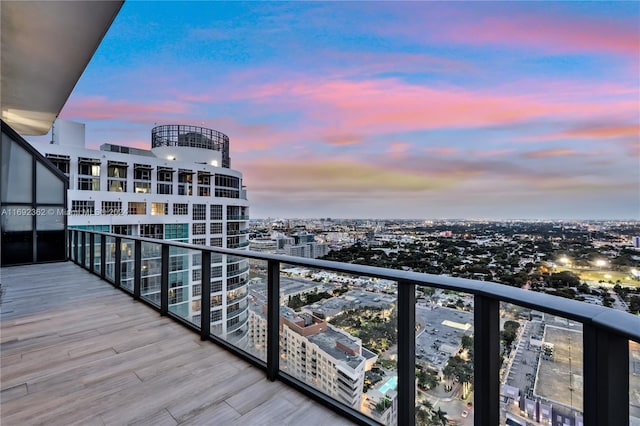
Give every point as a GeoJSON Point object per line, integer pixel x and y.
{"type": "Point", "coordinates": [439, 418]}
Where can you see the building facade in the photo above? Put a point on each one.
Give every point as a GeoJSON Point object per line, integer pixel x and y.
{"type": "Point", "coordinates": [314, 352]}
{"type": "Point", "coordinates": [182, 189]}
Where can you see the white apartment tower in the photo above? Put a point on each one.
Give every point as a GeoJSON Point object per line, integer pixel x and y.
{"type": "Point", "coordinates": [183, 189]}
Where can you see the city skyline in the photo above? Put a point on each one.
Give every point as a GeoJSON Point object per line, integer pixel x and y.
{"type": "Point", "coordinates": [407, 110]}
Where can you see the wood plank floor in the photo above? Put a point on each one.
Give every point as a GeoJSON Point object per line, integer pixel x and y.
{"type": "Point", "coordinates": [76, 351]}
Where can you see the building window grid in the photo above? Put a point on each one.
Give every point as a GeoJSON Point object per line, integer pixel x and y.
{"type": "Point", "coordinates": [215, 228]}
{"type": "Point", "coordinates": [82, 207]}
{"type": "Point", "coordinates": [216, 212]}
{"type": "Point", "coordinates": [199, 212]}
{"type": "Point", "coordinates": [215, 242]}
{"type": "Point", "coordinates": [200, 241]}
{"type": "Point", "coordinates": [180, 209]}
{"type": "Point", "coordinates": [199, 228]}
{"type": "Point", "coordinates": [111, 208]}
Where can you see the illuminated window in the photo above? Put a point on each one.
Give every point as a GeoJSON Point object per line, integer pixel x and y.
{"type": "Point", "coordinates": [159, 209]}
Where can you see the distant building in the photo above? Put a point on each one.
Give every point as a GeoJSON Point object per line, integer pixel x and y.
{"type": "Point", "coordinates": [635, 241]}
{"type": "Point", "coordinates": [315, 352]}
{"type": "Point", "coordinates": [381, 402]}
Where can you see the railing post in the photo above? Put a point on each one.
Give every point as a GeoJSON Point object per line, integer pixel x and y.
{"type": "Point", "coordinates": [92, 250]}
{"type": "Point", "coordinates": [103, 257]}
{"type": "Point", "coordinates": [486, 368]}
{"type": "Point", "coordinates": [606, 377]}
{"type": "Point", "coordinates": [117, 272]}
{"type": "Point", "coordinates": [137, 268]}
{"type": "Point", "coordinates": [75, 245]}
{"type": "Point", "coordinates": [205, 295]}
{"type": "Point", "coordinates": [406, 353]}
{"type": "Point", "coordinates": [164, 281]}
{"type": "Point", "coordinates": [69, 243]}
{"type": "Point", "coordinates": [83, 256]}
{"type": "Point", "coordinates": [273, 319]}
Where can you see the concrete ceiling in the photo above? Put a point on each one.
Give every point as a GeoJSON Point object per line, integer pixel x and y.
{"type": "Point", "coordinates": [46, 45]}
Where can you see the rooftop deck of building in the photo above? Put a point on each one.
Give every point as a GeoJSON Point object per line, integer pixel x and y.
{"type": "Point", "coordinates": [75, 350]}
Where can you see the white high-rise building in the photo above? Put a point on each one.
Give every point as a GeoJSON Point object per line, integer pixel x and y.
{"type": "Point", "coordinates": [183, 189]}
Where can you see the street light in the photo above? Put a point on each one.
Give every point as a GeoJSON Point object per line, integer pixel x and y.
{"type": "Point", "coordinates": [564, 260]}
{"type": "Point", "coordinates": [600, 263]}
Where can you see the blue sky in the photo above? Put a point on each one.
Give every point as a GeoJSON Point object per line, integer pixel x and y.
{"type": "Point", "coordinates": [388, 109]}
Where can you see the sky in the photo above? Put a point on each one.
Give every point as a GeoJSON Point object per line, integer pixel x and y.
{"type": "Point", "coordinates": [498, 110]}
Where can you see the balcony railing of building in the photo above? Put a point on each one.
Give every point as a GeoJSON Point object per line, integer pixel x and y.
{"type": "Point", "coordinates": [237, 217]}
{"type": "Point", "coordinates": [606, 338]}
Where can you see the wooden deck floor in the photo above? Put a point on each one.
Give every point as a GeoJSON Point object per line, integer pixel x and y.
{"type": "Point", "coordinates": [75, 351]}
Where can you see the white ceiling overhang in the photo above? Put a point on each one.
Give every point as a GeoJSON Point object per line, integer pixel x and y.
{"type": "Point", "coordinates": [46, 45]}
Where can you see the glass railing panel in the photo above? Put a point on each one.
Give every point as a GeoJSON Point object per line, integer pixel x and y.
{"type": "Point", "coordinates": [110, 258]}
{"type": "Point", "coordinates": [542, 367]}
{"type": "Point", "coordinates": [151, 270]}
{"type": "Point", "coordinates": [181, 283]}
{"type": "Point", "coordinates": [97, 255]}
{"type": "Point", "coordinates": [634, 383]}
{"type": "Point", "coordinates": [444, 357]}
{"type": "Point", "coordinates": [87, 251]}
{"type": "Point", "coordinates": [127, 264]}
{"type": "Point", "coordinates": [74, 245]}
{"type": "Point", "coordinates": [339, 335]}
{"type": "Point", "coordinates": [233, 318]}
{"type": "Point", "coordinates": [256, 341]}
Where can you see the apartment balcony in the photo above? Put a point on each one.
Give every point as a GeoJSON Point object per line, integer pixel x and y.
{"type": "Point", "coordinates": [78, 351]}
{"type": "Point", "coordinates": [75, 349]}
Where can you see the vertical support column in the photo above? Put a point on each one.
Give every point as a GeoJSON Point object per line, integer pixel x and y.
{"type": "Point", "coordinates": [137, 268]}
{"type": "Point", "coordinates": [83, 255]}
{"type": "Point", "coordinates": [75, 246]}
{"type": "Point", "coordinates": [273, 320]}
{"type": "Point", "coordinates": [117, 271]}
{"type": "Point", "coordinates": [92, 250]}
{"type": "Point", "coordinates": [205, 298]}
{"type": "Point", "coordinates": [606, 377]}
{"type": "Point", "coordinates": [69, 235]}
{"type": "Point", "coordinates": [164, 281]}
{"type": "Point", "coordinates": [486, 368]}
{"type": "Point", "coordinates": [103, 257]}
{"type": "Point", "coordinates": [406, 353]}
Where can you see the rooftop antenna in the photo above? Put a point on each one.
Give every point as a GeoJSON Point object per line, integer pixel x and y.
{"type": "Point", "coordinates": [53, 126]}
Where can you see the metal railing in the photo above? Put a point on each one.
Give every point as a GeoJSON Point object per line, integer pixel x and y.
{"type": "Point", "coordinates": [606, 332]}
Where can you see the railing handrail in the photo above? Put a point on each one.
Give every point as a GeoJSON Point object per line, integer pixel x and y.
{"type": "Point", "coordinates": [609, 319]}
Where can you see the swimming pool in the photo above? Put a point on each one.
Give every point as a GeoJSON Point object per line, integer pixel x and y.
{"type": "Point", "coordinates": [392, 383]}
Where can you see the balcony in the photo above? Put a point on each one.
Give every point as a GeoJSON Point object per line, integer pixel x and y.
{"type": "Point", "coordinates": [93, 323]}
{"type": "Point", "coordinates": [77, 351]}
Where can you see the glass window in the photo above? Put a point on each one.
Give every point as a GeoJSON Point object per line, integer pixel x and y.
{"type": "Point", "coordinates": [200, 241]}
{"type": "Point", "coordinates": [142, 187]}
{"type": "Point", "coordinates": [82, 207]}
{"type": "Point", "coordinates": [137, 208]}
{"type": "Point", "coordinates": [216, 242]}
{"type": "Point", "coordinates": [111, 207]}
{"type": "Point", "coordinates": [159, 209]}
{"type": "Point", "coordinates": [216, 212]}
{"type": "Point", "coordinates": [180, 209]}
{"type": "Point", "coordinates": [199, 212]}
{"type": "Point", "coordinates": [117, 171]}
{"type": "Point", "coordinates": [199, 228]}
{"type": "Point", "coordinates": [142, 173]}
{"type": "Point", "coordinates": [50, 188]}
{"type": "Point", "coordinates": [152, 230]}
{"type": "Point", "coordinates": [89, 169]}
{"type": "Point", "coordinates": [165, 188]}
{"type": "Point", "coordinates": [17, 177]}
{"type": "Point", "coordinates": [117, 186]}
{"type": "Point", "coordinates": [215, 228]}
{"type": "Point", "coordinates": [89, 184]}
{"type": "Point", "coordinates": [165, 176]}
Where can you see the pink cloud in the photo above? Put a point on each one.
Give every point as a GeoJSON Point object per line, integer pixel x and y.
{"type": "Point", "coordinates": [389, 105]}
{"type": "Point", "coordinates": [550, 33]}
{"type": "Point", "coordinates": [102, 108]}
{"type": "Point", "coordinates": [546, 153]}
